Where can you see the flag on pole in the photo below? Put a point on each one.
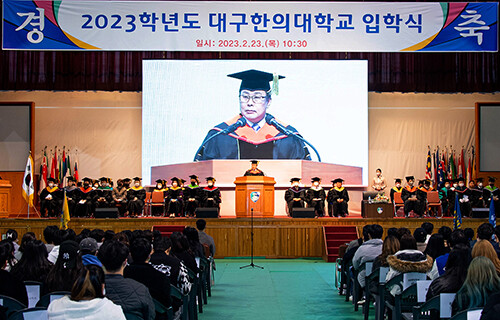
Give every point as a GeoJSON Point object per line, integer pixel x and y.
{"type": "Point", "coordinates": [474, 171]}
{"type": "Point", "coordinates": [28, 186]}
{"type": "Point", "coordinates": [457, 215]}
{"type": "Point", "coordinates": [52, 167]}
{"type": "Point", "coordinates": [493, 217]}
{"type": "Point", "coordinates": [469, 172]}
{"type": "Point", "coordinates": [437, 164]}
{"type": "Point", "coordinates": [76, 172]}
{"type": "Point", "coordinates": [65, 218]}
{"type": "Point", "coordinates": [428, 172]}
{"type": "Point", "coordinates": [43, 173]}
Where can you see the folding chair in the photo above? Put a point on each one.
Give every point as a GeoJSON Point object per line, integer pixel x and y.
{"type": "Point", "coordinates": [162, 312]}
{"type": "Point", "coordinates": [176, 293]}
{"type": "Point", "coordinates": [37, 313]}
{"type": "Point", "coordinates": [147, 204]}
{"type": "Point", "coordinates": [157, 200]}
{"type": "Point", "coordinates": [433, 201]}
{"type": "Point", "coordinates": [34, 291]}
{"type": "Point", "coordinates": [48, 298]}
{"type": "Point", "coordinates": [12, 305]}
{"type": "Point", "coordinates": [376, 276]}
{"type": "Point", "coordinates": [398, 202]}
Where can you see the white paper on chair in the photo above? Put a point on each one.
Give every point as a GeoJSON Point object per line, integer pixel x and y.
{"type": "Point", "coordinates": [422, 287]}
{"type": "Point", "coordinates": [474, 314]}
{"type": "Point", "coordinates": [411, 278]}
{"type": "Point", "coordinates": [1, 302]}
{"type": "Point", "coordinates": [36, 315]}
{"type": "Point", "coordinates": [368, 268]}
{"type": "Point", "coordinates": [383, 274]}
{"type": "Point", "coordinates": [33, 295]}
{"type": "Point", "coordinates": [445, 302]}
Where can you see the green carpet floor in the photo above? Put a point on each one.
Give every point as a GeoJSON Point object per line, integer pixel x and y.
{"type": "Point", "coordinates": [284, 289]}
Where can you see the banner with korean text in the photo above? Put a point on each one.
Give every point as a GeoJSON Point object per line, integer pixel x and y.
{"type": "Point", "coordinates": [250, 26]}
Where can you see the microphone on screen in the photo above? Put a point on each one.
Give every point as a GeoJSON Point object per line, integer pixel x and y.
{"type": "Point", "coordinates": [270, 120]}
{"type": "Point", "coordinates": [232, 128]}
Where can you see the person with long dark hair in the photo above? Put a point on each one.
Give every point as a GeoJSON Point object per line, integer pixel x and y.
{"type": "Point", "coordinates": [27, 237]}
{"type": "Point", "coordinates": [194, 241]}
{"type": "Point", "coordinates": [181, 250]}
{"type": "Point", "coordinates": [9, 285]}
{"type": "Point", "coordinates": [66, 269]}
{"type": "Point", "coordinates": [455, 272]}
{"type": "Point", "coordinates": [34, 265]}
{"type": "Point", "coordinates": [87, 299]}
{"type": "Point", "coordinates": [436, 246]}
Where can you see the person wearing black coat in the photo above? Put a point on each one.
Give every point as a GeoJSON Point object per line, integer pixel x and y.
{"type": "Point", "coordinates": [455, 274]}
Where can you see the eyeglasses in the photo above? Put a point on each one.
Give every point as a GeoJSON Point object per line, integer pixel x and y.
{"type": "Point", "coordinates": [258, 98]}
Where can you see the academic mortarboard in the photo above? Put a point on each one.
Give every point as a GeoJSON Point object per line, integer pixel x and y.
{"type": "Point", "coordinates": [337, 180]}
{"type": "Point", "coordinates": [461, 179]}
{"type": "Point", "coordinates": [408, 178]}
{"type": "Point", "coordinates": [397, 180]}
{"type": "Point", "coordinates": [103, 179]}
{"type": "Point", "coordinates": [421, 181]}
{"type": "Point", "coordinates": [479, 180]}
{"type": "Point", "coordinates": [87, 180]}
{"type": "Point", "coordinates": [492, 179]}
{"type": "Point", "coordinates": [427, 182]}
{"type": "Point", "coordinates": [137, 179]}
{"type": "Point", "coordinates": [447, 180]}
{"type": "Point", "coordinates": [295, 180]}
{"type": "Point", "coordinates": [51, 180]}
{"type": "Point", "coordinates": [254, 161]}
{"type": "Point", "coordinates": [183, 181]}
{"type": "Point", "coordinates": [255, 80]}
{"type": "Point", "coordinates": [159, 181]}
{"type": "Point", "coordinates": [193, 176]}
{"type": "Point", "coordinates": [127, 180]}
{"type": "Point", "coordinates": [175, 179]}
{"type": "Point", "coordinates": [71, 178]}
{"type": "Point", "coordinates": [316, 179]}
{"type": "Point", "coordinates": [210, 178]}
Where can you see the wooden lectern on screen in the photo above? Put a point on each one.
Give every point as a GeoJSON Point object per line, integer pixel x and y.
{"type": "Point", "coordinates": [257, 193]}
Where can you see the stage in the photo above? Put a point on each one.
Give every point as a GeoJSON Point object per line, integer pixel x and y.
{"type": "Point", "coordinates": [274, 237]}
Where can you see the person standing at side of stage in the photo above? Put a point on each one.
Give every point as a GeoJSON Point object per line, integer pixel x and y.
{"type": "Point", "coordinates": [379, 183]}
{"type": "Point", "coordinates": [338, 197]}
{"type": "Point", "coordinates": [295, 196]}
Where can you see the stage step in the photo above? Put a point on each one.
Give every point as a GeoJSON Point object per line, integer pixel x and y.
{"type": "Point", "coordinates": [334, 237]}
{"type": "Point", "coordinates": [166, 231]}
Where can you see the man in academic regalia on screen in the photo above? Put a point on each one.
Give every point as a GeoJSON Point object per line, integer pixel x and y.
{"type": "Point", "coordinates": [315, 197]}
{"type": "Point", "coordinates": [295, 196]}
{"type": "Point", "coordinates": [254, 171]}
{"type": "Point", "coordinates": [338, 199]}
{"type": "Point", "coordinates": [254, 137]}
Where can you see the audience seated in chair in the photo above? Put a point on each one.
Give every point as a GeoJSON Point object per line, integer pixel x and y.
{"type": "Point", "coordinates": [88, 252]}
{"type": "Point", "coordinates": [9, 285]}
{"type": "Point", "coordinates": [131, 295]}
{"type": "Point", "coordinates": [368, 251]}
{"type": "Point", "coordinates": [438, 268]}
{"type": "Point", "coordinates": [66, 269]}
{"type": "Point", "coordinates": [481, 282]}
{"type": "Point", "coordinates": [87, 299]}
{"type": "Point", "coordinates": [33, 265]}
{"type": "Point", "coordinates": [485, 249]}
{"type": "Point", "coordinates": [205, 239]}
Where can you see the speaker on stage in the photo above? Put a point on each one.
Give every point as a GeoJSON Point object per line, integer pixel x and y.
{"type": "Point", "coordinates": [207, 212]}
{"type": "Point", "coordinates": [106, 213]}
{"type": "Point", "coordinates": [303, 213]}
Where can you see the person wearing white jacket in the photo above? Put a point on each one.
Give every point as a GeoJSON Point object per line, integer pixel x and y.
{"type": "Point", "coordinates": [87, 299]}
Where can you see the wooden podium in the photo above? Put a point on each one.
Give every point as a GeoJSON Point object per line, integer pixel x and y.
{"type": "Point", "coordinates": [257, 193]}
{"type": "Point", "coordinates": [5, 198]}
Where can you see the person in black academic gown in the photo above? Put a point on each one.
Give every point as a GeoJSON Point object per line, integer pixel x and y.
{"type": "Point", "coordinates": [463, 194]}
{"type": "Point", "coordinates": [192, 196]}
{"type": "Point", "coordinates": [295, 196]}
{"type": "Point", "coordinates": [136, 196]}
{"type": "Point", "coordinates": [409, 196]}
{"type": "Point", "coordinates": [422, 193]}
{"type": "Point", "coordinates": [338, 197]}
{"type": "Point", "coordinates": [254, 171]}
{"type": "Point", "coordinates": [51, 199]}
{"type": "Point", "coordinates": [492, 193]}
{"type": "Point", "coordinates": [477, 200]}
{"type": "Point", "coordinates": [211, 194]}
{"type": "Point", "coordinates": [86, 194]}
{"type": "Point", "coordinates": [103, 194]}
{"type": "Point", "coordinates": [396, 189]}
{"type": "Point", "coordinates": [72, 193]}
{"type": "Point", "coordinates": [173, 199]}
{"type": "Point", "coordinates": [315, 197]}
{"type": "Point", "coordinates": [254, 137]}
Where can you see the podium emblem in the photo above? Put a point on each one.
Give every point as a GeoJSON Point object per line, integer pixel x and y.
{"type": "Point", "coordinates": [254, 196]}
{"type": "Point", "coordinates": [380, 210]}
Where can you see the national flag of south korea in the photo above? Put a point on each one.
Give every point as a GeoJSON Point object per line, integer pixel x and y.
{"type": "Point", "coordinates": [28, 186]}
